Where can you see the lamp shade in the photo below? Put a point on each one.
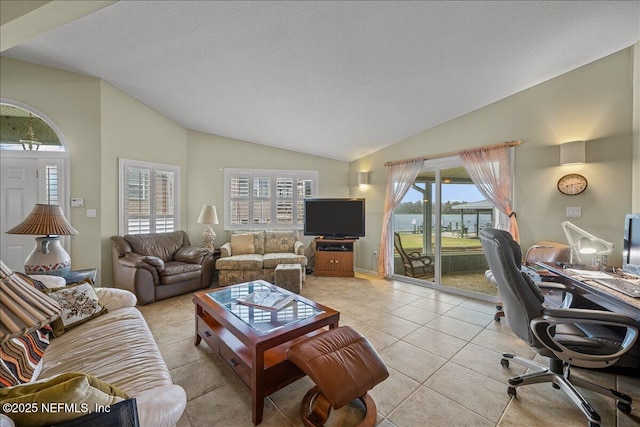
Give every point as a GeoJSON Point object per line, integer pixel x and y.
{"type": "Point", "coordinates": [572, 153]}
{"type": "Point", "coordinates": [48, 256]}
{"type": "Point", "coordinates": [44, 219]}
{"type": "Point", "coordinates": [23, 308]}
{"type": "Point", "coordinates": [208, 215]}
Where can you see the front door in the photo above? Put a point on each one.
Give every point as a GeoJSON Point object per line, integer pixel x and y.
{"type": "Point", "coordinates": [18, 193]}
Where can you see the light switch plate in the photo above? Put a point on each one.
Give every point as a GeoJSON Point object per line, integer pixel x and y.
{"type": "Point", "coordinates": [91, 213]}
{"type": "Point", "coordinates": [77, 202]}
{"type": "Point", "coordinates": [574, 212]}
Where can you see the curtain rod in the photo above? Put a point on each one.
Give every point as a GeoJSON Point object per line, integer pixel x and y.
{"type": "Point", "coordinates": [453, 153]}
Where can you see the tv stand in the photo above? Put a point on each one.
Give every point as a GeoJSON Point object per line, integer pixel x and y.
{"type": "Point", "coordinates": [334, 257]}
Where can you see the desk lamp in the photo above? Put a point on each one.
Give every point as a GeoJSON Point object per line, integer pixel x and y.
{"type": "Point", "coordinates": [586, 243]}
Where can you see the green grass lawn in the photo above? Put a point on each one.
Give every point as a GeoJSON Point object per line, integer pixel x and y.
{"type": "Point", "coordinates": [412, 241]}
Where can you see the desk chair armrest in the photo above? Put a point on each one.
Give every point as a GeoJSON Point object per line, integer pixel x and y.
{"type": "Point", "coordinates": [544, 326]}
{"type": "Point", "coordinates": [580, 315]}
{"type": "Point", "coordinates": [551, 287]}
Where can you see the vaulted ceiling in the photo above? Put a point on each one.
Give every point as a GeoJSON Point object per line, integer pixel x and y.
{"type": "Point", "coordinates": [337, 79]}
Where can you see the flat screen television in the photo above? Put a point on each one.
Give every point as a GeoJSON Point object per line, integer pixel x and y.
{"type": "Point", "coordinates": [631, 245]}
{"type": "Point", "coordinates": [335, 218]}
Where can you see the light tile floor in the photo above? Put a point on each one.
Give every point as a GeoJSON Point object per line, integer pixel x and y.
{"type": "Point", "coordinates": [442, 351]}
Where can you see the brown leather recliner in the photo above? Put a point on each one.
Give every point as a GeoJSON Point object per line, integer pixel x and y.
{"type": "Point", "coordinates": [157, 266]}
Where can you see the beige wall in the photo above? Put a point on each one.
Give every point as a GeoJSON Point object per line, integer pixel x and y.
{"type": "Point", "coordinates": [592, 103]}
{"type": "Point", "coordinates": [72, 102]}
{"type": "Point", "coordinates": [131, 130]}
{"type": "Point", "coordinates": [210, 154]}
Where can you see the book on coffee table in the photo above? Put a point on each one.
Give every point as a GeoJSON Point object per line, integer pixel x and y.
{"type": "Point", "coordinates": [267, 300]}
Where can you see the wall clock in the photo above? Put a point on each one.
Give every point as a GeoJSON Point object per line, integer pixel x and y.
{"type": "Point", "coordinates": [572, 184]}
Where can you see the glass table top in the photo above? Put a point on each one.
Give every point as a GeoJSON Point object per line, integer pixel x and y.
{"type": "Point", "coordinates": [261, 320]}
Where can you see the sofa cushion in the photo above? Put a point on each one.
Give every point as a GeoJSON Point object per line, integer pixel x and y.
{"type": "Point", "coordinates": [117, 347]}
{"type": "Point", "coordinates": [79, 304]}
{"type": "Point", "coordinates": [84, 391]}
{"type": "Point", "coordinates": [258, 240]}
{"type": "Point", "coordinates": [20, 358]}
{"type": "Point", "coordinates": [162, 245]}
{"type": "Point", "coordinates": [273, 260]}
{"type": "Point", "coordinates": [49, 281]}
{"type": "Point", "coordinates": [242, 244]}
{"type": "Point", "coordinates": [240, 262]}
{"type": "Point", "coordinates": [154, 261]}
{"type": "Point", "coordinates": [190, 254]}
{"type": "Point", "coordinates": [279, 241]}
{"type": "Point", "coordinates": [175, 272]}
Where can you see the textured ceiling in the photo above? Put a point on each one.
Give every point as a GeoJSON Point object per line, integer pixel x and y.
{"type": "Point", "coordinates": [333, 79]}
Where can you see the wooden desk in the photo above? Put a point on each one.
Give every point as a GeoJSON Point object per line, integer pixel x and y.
{"type": "Point", "coordinates": [596, 293]}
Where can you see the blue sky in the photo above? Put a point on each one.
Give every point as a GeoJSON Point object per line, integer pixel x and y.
{"type": "Point", "coordinates": [462, 192]}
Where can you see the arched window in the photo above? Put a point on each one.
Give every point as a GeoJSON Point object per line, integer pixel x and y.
{"type": "Point", "coordinates": [23, 129]}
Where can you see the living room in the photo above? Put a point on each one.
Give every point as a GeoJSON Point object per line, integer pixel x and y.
{"type": "Point", "coordinates": [597, 102]}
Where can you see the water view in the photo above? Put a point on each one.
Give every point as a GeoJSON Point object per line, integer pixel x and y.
{"type": "Point", "coordinates": [413, 222]}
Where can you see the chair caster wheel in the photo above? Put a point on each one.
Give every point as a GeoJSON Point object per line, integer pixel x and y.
{"type": "Point", "coordinates": [496, 318]}
{"type": "Point", "coordinates": [625, 408]}
{"type": "Point", "coordinates": [556, 386]}
{"type": "Point", "coordinates": [511, 391]}
{"type": "Point", "coordinates": [505, 363]}
{"type": "Point", "coordinates": [591, 424]}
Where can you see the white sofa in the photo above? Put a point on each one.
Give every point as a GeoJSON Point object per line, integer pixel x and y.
{"type": "Point", "coordinates": [119, 349]}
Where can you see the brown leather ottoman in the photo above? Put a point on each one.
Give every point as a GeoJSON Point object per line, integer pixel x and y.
{"type": "Point", "coordinates": [344, 366]}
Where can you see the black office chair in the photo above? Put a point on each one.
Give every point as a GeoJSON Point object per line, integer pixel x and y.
{"type": "Point", "coordinates": [568, 336]}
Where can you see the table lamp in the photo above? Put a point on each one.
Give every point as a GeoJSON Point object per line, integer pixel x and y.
{"type": "Point", "coordinates": [586, 243]}
{"type": "Point", "coordinates": [23, 308]}
{"type": "Point", "coordinates": [48, 257]}
{"type": "Point", "coordinates": [208, 215]}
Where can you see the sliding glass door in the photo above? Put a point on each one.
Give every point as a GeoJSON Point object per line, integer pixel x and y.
{"type": "Point", "coordinates": [438, 222]}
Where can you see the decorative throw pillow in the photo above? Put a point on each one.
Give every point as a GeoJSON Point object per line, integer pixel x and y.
{"type": "Point", "coordinates": [49, 281]}
{"type": "Point", "coordinates": [21, 357]}
{"type": "Point", "coordinates": [279, 241]}
{"type": "Point", "coordinates": [79, 303]}
{"type": "Point", "coordinates": [32, 281]}
{"type": "Point", "coordinates": [242, 244]}
{"type": "Point", "coordinates": [258, 240]}
{"type": "Point", "coordinates": [81, 392]}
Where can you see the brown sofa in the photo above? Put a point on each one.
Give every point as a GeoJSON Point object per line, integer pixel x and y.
{"type": "Point", "coordinates": [160, 265]}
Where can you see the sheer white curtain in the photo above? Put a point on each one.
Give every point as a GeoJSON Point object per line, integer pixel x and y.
{"type": "Point", "coordinates": [490, 169]}
{"type": "Point", "coordinates": [400, 176]}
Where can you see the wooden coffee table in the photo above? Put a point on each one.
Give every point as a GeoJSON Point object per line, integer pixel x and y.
{"type": "Point", "coordinates": [253, 341]}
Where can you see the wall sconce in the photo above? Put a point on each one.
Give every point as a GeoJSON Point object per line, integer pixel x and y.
{"type": "Point", "coordinates": [363, 178]}
{"type": "Point", "coordinates": [572, 153]}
